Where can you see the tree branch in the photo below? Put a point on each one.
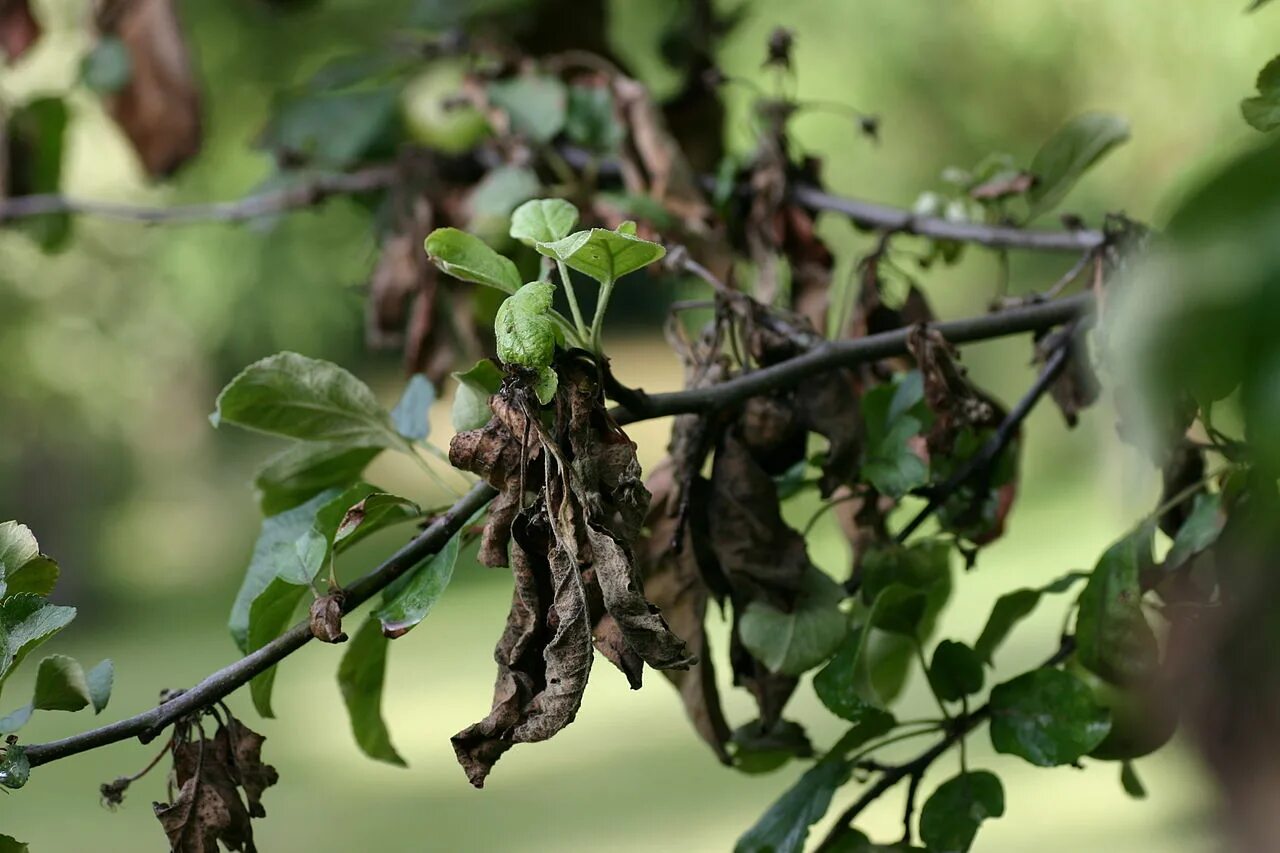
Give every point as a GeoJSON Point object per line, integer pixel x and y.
{"type": "Point", "coordinates": [147, 725]}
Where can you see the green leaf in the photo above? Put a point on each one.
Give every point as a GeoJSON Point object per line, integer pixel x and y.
{"type": "Point", "coordinates": [15, 768]}
{"type": "Point", "coordinates": [1069, 153]}
{"type": "Point", "coordinates": [545, 385]}
{"type": "Point", "coordinates": [307, 398]}
{"type": "Point", "coordinates": [410, 414]}
{"type": "Point", "coordinates": [37, 141]}
{"type": "Point", "coordinates": [536, 104]}
{"type": "Point", "coordinates": [1046, 716]}
{"type": "Point", "coordinates": [499, 193]}
{"type": "Point", "coordinates": [471, 400]}
{"type": "Point", "coordinates": [361, 676]}
{"type": "Point", "coordinates": [525, 332]}
{"type": "Point", "coordinates": [889, 415]}
{"type": "Point", "coordinates": [951, 817]}
{"type": "Point", "coordinates": [26, 621]}
{"type": "Point", "coordinates": [465, 256]}
{"type": "Point", "coordinates": [60, 685]}
{"type": "Point", "coordinates": [757, 749]}
{"type": "Point", "coordinates": [307, 468]}
{"type": "Point", "coordinates": [9, 844]}
{"type": "Point", "coordinates": [591, 121]}
{"type": "Point", "coordinates": [839, 683]}
{"type": "Point", "coordinates": [1113, 638]}
{"type": "Point", "coordinates": [1130, 782]}
{"type": "Point", "coordinates": [854, 841]}
{"type": "Point", "coordinates": [22, 567]}
{"type": "Point", "coordinates": [955, 672]}
{"type": "Point", "coordinates": [16, 720]}
{"type": "Point", "coordinates": [1011, 608]}
{"type": "Point", "coordinates": [270, 614]}
{"type": "Point", "coordinates": [1199, 531]}
{"type": "Point", "coordinates": [334, 129]}
{"type": "Point", "coordinates": [1263, 111]}
{"type": "Point", "coordinates": [603, 255]}
{"type": "Point", "coordinates": [106, 68]}
{"type": "Point", "coordinates": [413, 600]}
{"type": "Point", "coordinates": [100, 680]}
{"type": "Point", "coordinates": [543, 220]}
{"type": "Point", "coordinates": [795, 642]}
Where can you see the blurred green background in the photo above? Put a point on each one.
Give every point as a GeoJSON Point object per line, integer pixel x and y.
{"type": "Point", "coordinates": [114, 351]}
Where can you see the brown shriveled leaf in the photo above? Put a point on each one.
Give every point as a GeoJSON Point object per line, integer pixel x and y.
{"type": "Point", "coordinates": [771, 690]}
{"type": "Point", "coordinates": [609, 641]}
{"type": "Point", "coordinates": [159, 108]}
{"type": "Point", "coordinates": [19, 29]}
{"type": "Point", "coordinates": [954, 401]}
{"type": "Point", "coordinates": [1003, 186]}
{"type": "Point", "coordinates": [1077, 386]}
{"type": "Point", "coordinates": [208, 808]}
{"type": "Point", "coordinates": [246, 755]}
{"type": "Point", "coordinates": [326, 619]}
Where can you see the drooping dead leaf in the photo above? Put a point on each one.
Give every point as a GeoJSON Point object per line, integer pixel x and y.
{"type": "Point", "coordinates": [159, 108]}
{"type": "Point", "coordinates": [246, 755]}
{"type": "Point", "coordinates": [19, 29]}
{"type": "Point", "coordinates": [955, 403]}
{"type": "Point", "coordinates": [1077, 386]}
{"type": "Point", "coordinates": [326, 619]}
{"type": "Point", "coordinates": [208, 808]}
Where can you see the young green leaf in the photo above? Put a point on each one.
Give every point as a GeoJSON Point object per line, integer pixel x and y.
{"type": "Point", "coordinates": [100, 680]}
{"type": "Point", "coordinates": [955, 671]}
{"type": "Point", "coordinates": [60, 685]}
{"type": "Point", "coordinates": [1011, 608]}
{"type": "Point", "coordinates": [22, 567]}
{"type": "Point", "coordinates": [1069, 153]}
{"type": "Point", "coordinates": [412, 601]}
{"type": "Point", "coordinates": [1263, 110]}
{"type": "Point", "coordinates": [360, 677]}
{"type": "Point", "coordinates": [543, 220]}
{"type": "Point", "coordinates": [1199, 531]}
{"type": "Point", "coordinates": [603, 255]}
{"type": "Point", "coordinates": [1113, 638]}
{"type": "Point", "coordinates": [410, 414]}
{"type": "Point", "coordinates": [465, 256]}
{"type": "Point", "coordinates": [536, 104]}
{"type": "Point", "coordinates": [889, 414]}
{"type": "Point", "coordinates": [1046, 716]}
{"type": "Point", "coordinates": [26, 621]}
{"type": "Point", "coordinates": [545, 385]}
{"type": "Point", "coordinates": [795, 642]}
{"type": "Point", "coordinates": [951, 817]}
{"type": "Point", "coordinates": [306, 469]}
{"type": "Point", "coordinates": [525, 332]}
{"type": "Point", "coordinates": [310, 399]}
{"type": "Point", "coordinates": [471, 399]}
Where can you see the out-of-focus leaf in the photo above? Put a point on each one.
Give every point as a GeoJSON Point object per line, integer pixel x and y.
{"type": "Point", "coordinates": [603, 255]}
{"type": "Point", "coordinates": [410, 414]}
{"type": "Point", "coordinates": [1263, 110]}
{"type": "Point", "coordinates": [757, 748]}
{"type": "Point", "coordinates": [1046, 716]}
{"type": "Point", "coordinates": [1113, 638]}
{"type": "Point", "coordinates": [467, 257]}
{"type": "Point", "coordinates": [36, 135]}
{"type": "Point", "coordinates": [795, 642]}
{"type": "Point", "coordinates": [950, 818]}
{"type": "Point", "coordinates": [591, 121]}
{"type": "Point", "coordinates": [1199, 531]}
{"type": "Point", "coordinates": [100, 680]}
{"type": "Point", "coordinates": [955, 671]}
{"type": "Point", "coordinates": [525, 332]}
{"type": "Point", "coordinates": [19, 30]}
{"type": "Point", "coordinates": [22, 567]}
{"type": "Point", "coordinates": [543, 220]}
{"type": "Point", "coordinates": [107, 68]}
{"type": "Point", "coordinates": [471, 399]}
{"type": "Point", "coordinates": [1011, 608]}
{"type": "Point", "coordinates": [305, 469]}
{"type": "Point", "coordinates": [1071, 152]}
{"type": "Point", "coordinates": [26, 621]}
{"type": "Point", "coordinates": [334, 129]}
{"type": "Point", "coordinates": [9, 844]}
{"type": "Point", "coordinates": [408, 603]}
{"type": "Point", "coordinates": [60, 685]}
{"type": "Point", "coordinates": [15, 720]}
{"type": "Point", "coordinates": [1130, 782]}
{"type": "Point", "coordinates": [498, 193]}
{"type": "Point", "coordinates": [360, 676]}
{"type": "Point", "coordinates": [536, 104]}
{"type": "Point", "coordinates": [306, 398]}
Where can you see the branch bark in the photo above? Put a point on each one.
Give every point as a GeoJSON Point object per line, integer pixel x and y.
{"type": "Point", "coordinates": [149, 724]}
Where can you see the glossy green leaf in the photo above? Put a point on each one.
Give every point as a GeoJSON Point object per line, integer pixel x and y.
{"type": "Point", "coordinates": [1011, 608]}
{"type": "Point", "coordinates": [413, 600]}
{"type": "Point", "coordinates": [1263, 110]}
{"type": "Point", "coordinates": [270, 614]}
{"type": "Point", "coordinates": [471, 399]}
{"type": "Point", "coordinates": [536, 103]}
{"type": "Point", "coordinates": [1199, 531]}
{"type": "Point", "coordinates": [1130, 782]}
{"type": "Point", "coordinates": [1046, 716]}
{"type": "Point", "coordinates": [950, 818]}
{"type": "Point", "coordinates": [465, 256]}
{"type": "Point", "coordinates": [795, 642]}
{"type": "Point", "coordinates": [955, 671]}
{"type": "Point", "coordinates": [543, 220]}
{"type": "Point", "coordinates": [334, 129]}
{"type": "Point", "coordinates": [306, 469]}
{"type": "Point", "coordinates": [60, 685]}
{"type": "Point", "coordinates": [1113, 638]}
{"type": "Point", "coordinates": [410, 414]}
{"type": "Point", "coordinates": [22, 567]}
{"type": "Point", "coordinates": [307, 398]}
{"type": "Point", "coordinates": [525, 332]}
{"type": "Point", "coordinates": [1069, 153]}
{"type": "Point", "coordinates": [603, 255]}
{"type": "Point", "coordinates": [100, 680]}
{"type": "Point", "coordinates": [26, 621]}
{"type": "Point", "coordinates": [360, 677]}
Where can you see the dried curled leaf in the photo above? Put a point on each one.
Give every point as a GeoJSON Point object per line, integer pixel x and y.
{"type": "Point", "coordinates": [955, 403]}
{"type": "Point", "coordinates": [326, 619]}
{"type": "Point", "coordinates": [1077, 386]}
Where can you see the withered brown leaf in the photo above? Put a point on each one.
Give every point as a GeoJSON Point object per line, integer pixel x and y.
{"type": "Point", "coordinates": [208, 808]}
{"type": "Point", "coordinates": [19, 29]}
{"type": "Point", "coordinates": [246, 755]}
{"type": "Point", "coordinates": [1077, 386]}
{"type": "Point", "coordinates": [326, 619]}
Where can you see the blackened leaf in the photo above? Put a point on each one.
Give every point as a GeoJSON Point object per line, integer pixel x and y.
{"type": "Point", "coordinates": [1047, 716]}
{"type": "Point", "coordinates": [795, 642]}
{"type": "Point", "coordinates": [1130, 782]}
{"type": "Point", "coordinates": [409, 603]}
{"type": "Point", "coordinates": [1071, 152]}
{"type": "Point", "coordinates": [22, 567]}
{"type": "Point", "coordinates": [1263, 110]}
{"type": "Point", "coordinates": [60, 685]}
{"type": "Point", "coordinates": [1113, 638]}
{"type": "Point", "coordinates": [306, 398]}
{"type": "Point", "coordinates": [543, 220]}
{"type": "Point", "coordinates": [603, 255]}
{"type": "Point", "coordinates": [1011, 608]}
{"type": "Point", "coordinates": [471, 399]}
{"type": "Point", "coordinates": [951, 817]}
{"type": "Point", "coordinates": [955, 671]}
{"type": "Point", "coordinates": [1199, 531]}
{"type": "Point", "coordinates": [360, 676]}
{"type": "Point", "coordinates": [536, 104]}
{"type": "Point", "coordinates": [100, 680]}
{"type": "Point", "coordinates": [26, 621]}
{"type": "Point", "coordinates": [526, 334]}
{"type": "Point", "coordinates": [307, 468]}
{"type": "Point", "coordinates": [465, 256]}
{"type": "Point", "coordinates": [334, 129]}
{"type": "Point", "coordinates": [159, 107]}
{"type": "Point", "coordinates": [410, 414]}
